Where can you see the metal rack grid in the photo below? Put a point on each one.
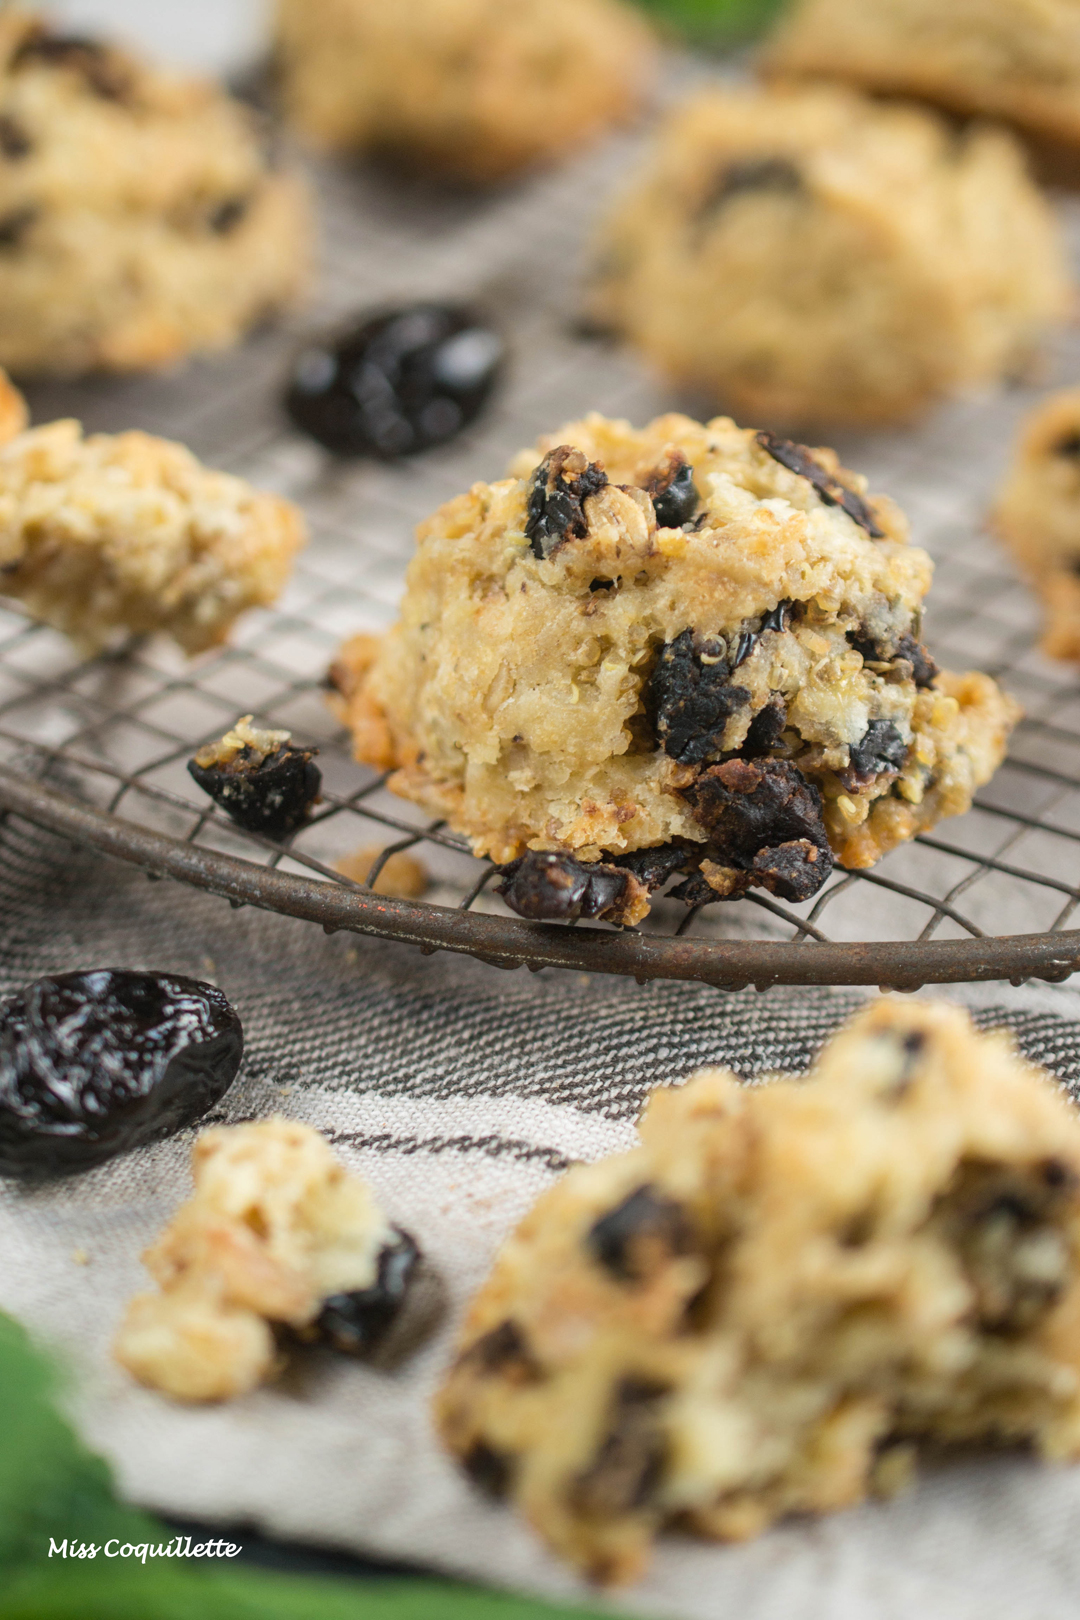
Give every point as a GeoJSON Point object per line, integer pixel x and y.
{"type": "Point", "coordinates": [98, 749]}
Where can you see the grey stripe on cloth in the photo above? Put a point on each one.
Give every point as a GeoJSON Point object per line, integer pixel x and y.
{"type": "Point", "coordinates": [460, 1092]}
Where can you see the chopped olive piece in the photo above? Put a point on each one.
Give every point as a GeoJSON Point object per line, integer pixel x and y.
{"type": "Point", "coordinates": [546, 886]}
{"type": "Point", "coordinates": [229, 214]}
{"type": "Point", "coordinates": [358, 1321]}
{"type": "Point", "coordinates": [561, 485]}
{"type": "Point", "coordinates": [923, 669]}
{"type": "Point", "coordinates": [640, 1234]}
{"type": "Point", "coordinates": [104, 70]}
{"type": "Point", "coordinates": [775, 174]}
{"type": "Point", "coordinates": [14, 226]}
{"type": "Point", "coordinates": [764, 818]}
{"type": "Point", "coordinates": [674, 493]}
{"type": "Point", "coordinates": [265, 782]}
{"type": "Point", "coordinates": [630, 1462]}
{"type": "Point", "coordinates": [93, 1064]}
{"type": "Point", "coordinates": [397, 382]}
{"type": "Point", "coordinates": [1069, 446]}
{"type": "Point", "coordinates": [881, 748]}
{"type": "Point", "coordinates": [798, 459]}
{"type": "Point", "coordinates": [690, 698]}
{"type": "Point", "coordinates": [15, 143]}
{"type": "Point", "coordinates": [491, 1471]}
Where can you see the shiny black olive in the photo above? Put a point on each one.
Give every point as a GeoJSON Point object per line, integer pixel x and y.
{"type": "Point", "coordinates": [398, 382]}
{"type": "Point", "coordinates": [358, 1321]}
{"type": "Point", "coordinates": [93, 1064]}
{"type": "Point", "coordinates": [270, 794]}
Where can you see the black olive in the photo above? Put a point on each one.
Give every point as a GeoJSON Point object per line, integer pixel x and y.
{"type": "Point", "coordinates": [631, 1240]}
{"type": "Point", "coordinates": [674, 494]}
{"type": "Point", "coordinates": [14, 226]}
{"type": "Point", "coordinates": [881, 748]}
{"type": "Point", "coordinates": [358, 1321]}
{"type": "Point", "coordinates": [549, 887]}
{"type": "Point", "coordinates": [93, 1064]}
{"type": "Point", "coordinates": [558, 490]}
{"type": "Point", "coordinates": [14, 141]}
{"type": "Point", "coordinates": [269, 794]}
{"type": "Point", "coordinates": [629, 1465]}
{"type": "Point", "coordinates": [103, 69]}
{"type": "Point", "coordinates": [798, 459]}
{"type": "Point", "coordinates": [398, 382]}
{"type": "Point", "coordinates": [690, 698]}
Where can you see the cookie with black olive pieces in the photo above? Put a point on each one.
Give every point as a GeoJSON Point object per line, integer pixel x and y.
{"type": "Point", "coordinates": [462, 87]}
{"type": "Point", "coordinates": [276, 1235]}
{"type": "Point", "coordinates": [143, 216]}
{"type": "Point", "coordinates": [768, 1304]}
{"type": "Point", "coordinates": [104, 535]}
{"type": "Point", "coordinates": [807, 256]}
{"type": "Point", "coordinates": [1037, 514]}
{"type": "Point", "coordinates": [690, 650]}
{"type": "Point", "coordinates": [1016, 60]}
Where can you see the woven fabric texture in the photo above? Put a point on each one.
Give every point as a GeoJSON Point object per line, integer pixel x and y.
{"type": "Point", "coordinates": [460, 1092]}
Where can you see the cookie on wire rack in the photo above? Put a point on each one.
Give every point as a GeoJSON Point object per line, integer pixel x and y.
{"type": "Point", "coordinates": [1017, 60]}
{"type": "Point", "coordinates": [461, 87]}
{"type": "Point", "coordinates": [767, 1305]}
{"type": "Point", "coordinates": [143, 216]}
{"type": "Point", "coordinates": [106, 535]}
{"type": "Point", "coordinates": [807, 256]}
{"type": "Point", "coordinates": [690, 650]}
{"type": "Point", "coordinates": [1037, 514]}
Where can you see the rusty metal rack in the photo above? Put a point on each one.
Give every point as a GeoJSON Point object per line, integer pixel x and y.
{"type": "Point", "coordinates": [97, 750]}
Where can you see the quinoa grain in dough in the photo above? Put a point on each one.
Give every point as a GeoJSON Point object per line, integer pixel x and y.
{"type": "Point", "coordinates": [143, 216]}
{"type": "Point", "coordinates": [474, 88]}
{"type": "Point", "coordinates": [1037, 514]}
{"type": "Point", "coordinates": [768, 1304]}
{"type": "Point", "coordinates": [811, 257]}
{"type": "Point", "coordinates": [687, 651]}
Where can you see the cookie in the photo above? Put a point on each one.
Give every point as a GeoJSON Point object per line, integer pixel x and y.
{"type": "Point", "coordinates": [1006, 59]}
{"type": "Point", "coordinates": [811, 257]}
{"type": "Point", "coordinates": [682, 651]}
{"type": "Point", "coordinates": [123, 533]}
{"type": "Point", "coordinates": [461, 87]}
{"type": "Point", "coordinates": [765, 1307]}
{"type": "Point", "coordinates": [142, 216]}
{"type": "Point", "coordinates": [1037, 514]}
{"type": "Point", "coordinates": [276, 1233]}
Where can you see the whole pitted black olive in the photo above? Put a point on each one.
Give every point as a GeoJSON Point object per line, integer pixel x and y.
{"type": "Point", "coordinates": [92, 1064]}
{"type": "Point", "coordinates": [358, 1321]}
{"type": "Point", "coordinates": [398, 382]}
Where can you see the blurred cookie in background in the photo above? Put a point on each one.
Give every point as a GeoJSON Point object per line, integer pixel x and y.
{"type": "Point", "coordinates": [476, 89]}
{"type": "Point", "coordinates": [1037, 514]}
{"type": "Point", "coordinates": [1013, 59]}
{"type": "Point", "coordinates": [143, 216]}
{"type": "Point", "coordinates": [810, 257]}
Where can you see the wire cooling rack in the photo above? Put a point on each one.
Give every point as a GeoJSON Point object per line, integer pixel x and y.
{"type": "Point", "coordinates": [97, 750]}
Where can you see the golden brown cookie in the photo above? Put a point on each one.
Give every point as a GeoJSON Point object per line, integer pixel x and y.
{"type": "Point", "coordinates": [142, 216]}
{"type": "Point", "coordinates": [766, 1306]}
{"type": "Point", "coordinates": [806, 256]}
{"type": "Point", "coordinates": [1017, 60]}
{"type": "Point", "coordinates": [474, 88]}
{"type": "Point", "coordinates": [1037, 514]}
{"type": "Point", "coordinates": [688, 650]}
{"type": "Point", "coordinates": [276, 1233]}
{"type": "Point", "coordinates": [124, 533]}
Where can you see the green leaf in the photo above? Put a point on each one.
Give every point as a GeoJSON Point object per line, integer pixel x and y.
{"type": "Point", "coordinates": [717, 21]}
{"type": "Point", "coordinates": [51, 1486]}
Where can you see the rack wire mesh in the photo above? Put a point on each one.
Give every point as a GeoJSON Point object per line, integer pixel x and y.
{"type": "Point", "coordinates": [97, 749]}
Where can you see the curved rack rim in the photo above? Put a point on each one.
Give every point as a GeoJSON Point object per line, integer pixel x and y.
{"type": "Point", "coordinates": [508, 943]}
